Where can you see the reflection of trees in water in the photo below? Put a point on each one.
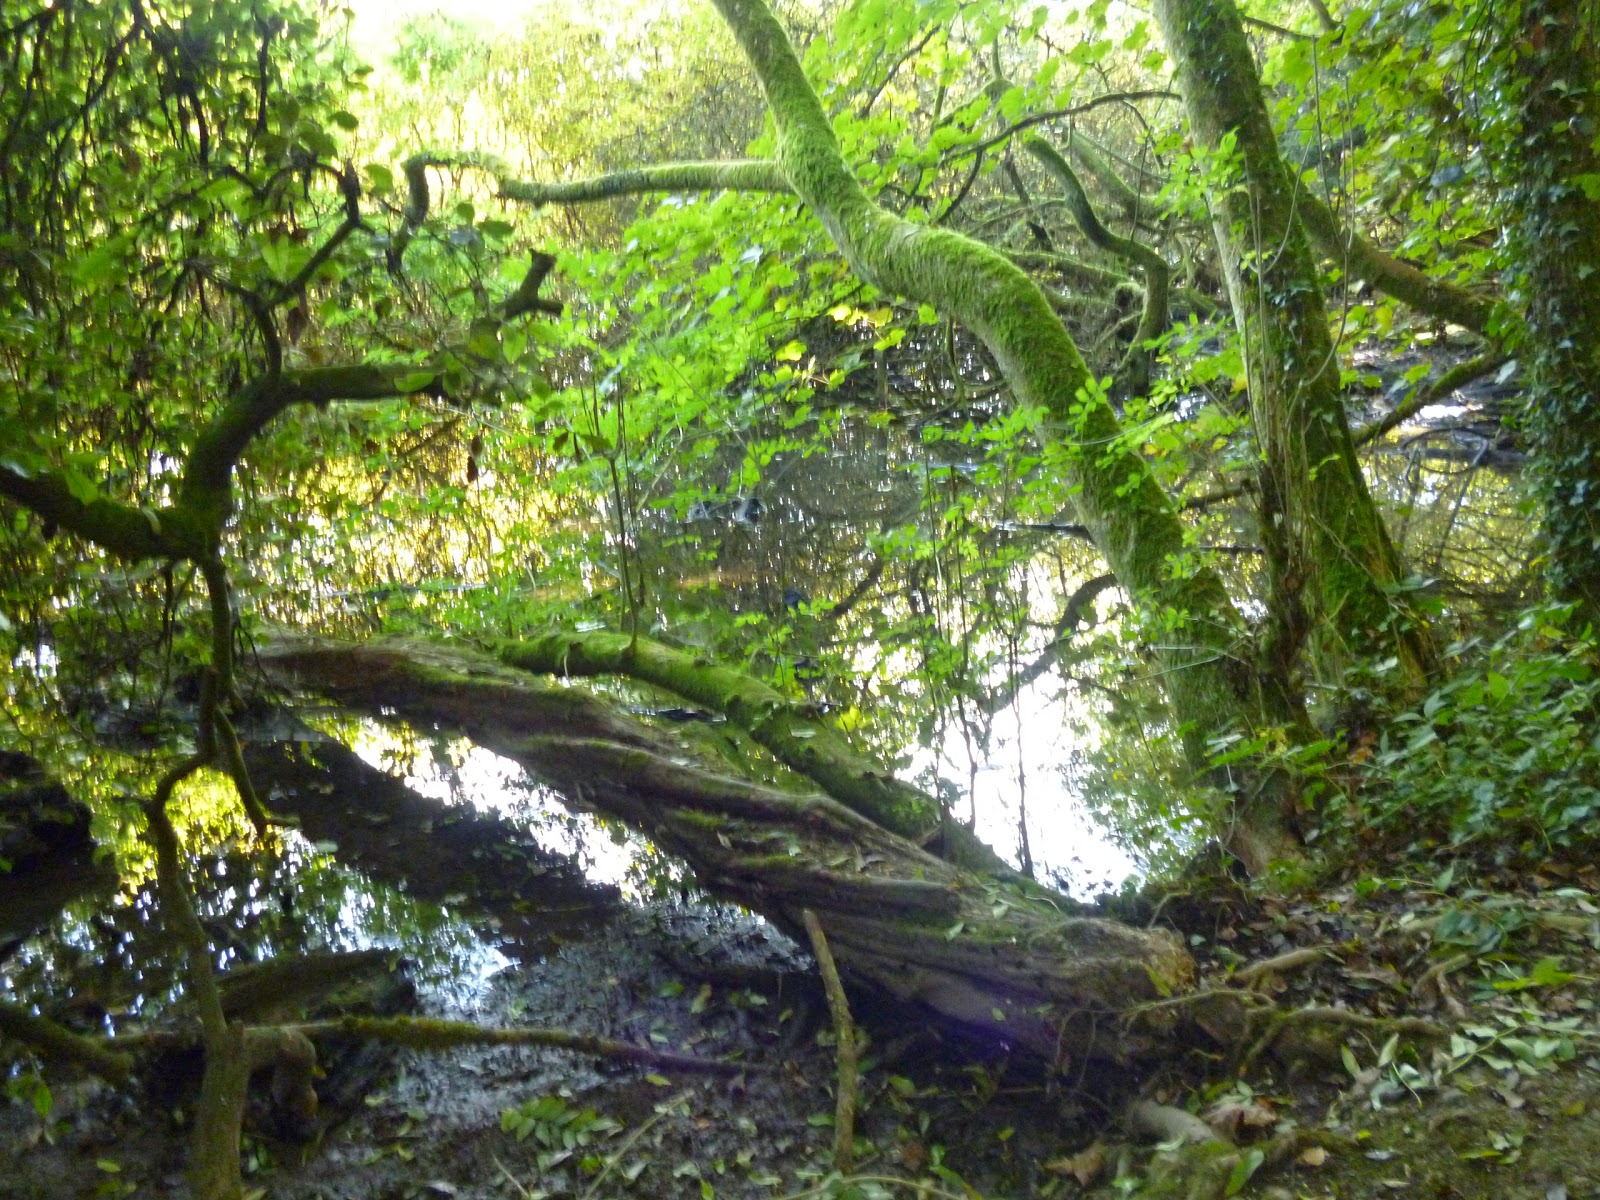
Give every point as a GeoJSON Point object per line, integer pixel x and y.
{"type": "Point", "coordinates": [1462, 525]}
{"type": "Point", "coordinates": [118, 964]}
{"type": "Point", "coordinates": [928, 600]}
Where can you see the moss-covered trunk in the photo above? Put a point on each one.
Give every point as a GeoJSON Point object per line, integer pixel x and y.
{"type": "Point", "coordinates": [1333, 569]}
{"type": "Point", "coordinates": [1203, 657]}
{"type": "Point", "coordinates": [997, 961]}
{"type": "Point", "coordinates": [1557, 243]}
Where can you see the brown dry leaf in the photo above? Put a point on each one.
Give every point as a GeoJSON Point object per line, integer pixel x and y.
{"type": "Point", "coordinates": [1231, 1116]}
{"type": "Point", "coordinates": [913, 1155]}
{"type": "Point", "coordinates": [1312, 1156]}
{"type": "Point", "coordinates": [1086, 1166]}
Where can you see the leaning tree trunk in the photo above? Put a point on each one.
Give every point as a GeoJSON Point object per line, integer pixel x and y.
{"type": "Point", "coordinates": [1211, 688]}
{"type": "Point", "coordinates": [1333, 569]}
{"type": "Point", "coordinates": [1555, 66]}
{"type": "Point", "coordinates": [999, 962]}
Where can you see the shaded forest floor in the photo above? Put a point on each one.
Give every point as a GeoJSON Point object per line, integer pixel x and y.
{"type": "Point", "coordinates": [1508, 1105]}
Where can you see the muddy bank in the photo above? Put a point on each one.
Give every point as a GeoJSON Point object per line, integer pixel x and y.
{"type": "Point", "coordinates": [703, 981]}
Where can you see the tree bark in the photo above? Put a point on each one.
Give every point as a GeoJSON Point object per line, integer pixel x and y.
{"type": "Point", "coordinates": [1358, 257]}
{"type": "Point", "coordinates": [796, 734]}
{"type": "Point", "coordinates": [1333, 569]}
{"type": "Point", "coordinates": [995, 961]}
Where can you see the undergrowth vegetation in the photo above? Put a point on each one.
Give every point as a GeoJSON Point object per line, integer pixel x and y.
{"type": "Point", "coordinates": [1502, 758]}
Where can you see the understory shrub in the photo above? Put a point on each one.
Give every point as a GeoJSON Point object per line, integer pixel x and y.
{"type": "Point", "coordinates": [1504, 753]}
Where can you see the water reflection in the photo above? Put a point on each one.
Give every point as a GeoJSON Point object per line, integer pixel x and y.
{"type": "Point", "coordinates": [455, 771]}
{"type": "Point", "coordinates": [894, 566]}
{"type": "Point", "coordinates": [107, 964]}
{"type": "Point", "coordinates": [1022, 790]}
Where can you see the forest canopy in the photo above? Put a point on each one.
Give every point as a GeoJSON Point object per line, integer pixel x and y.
{"type": "Point", "coordinates": [860, 392]}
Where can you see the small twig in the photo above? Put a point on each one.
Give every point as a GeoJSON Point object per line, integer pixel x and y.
{"type": "Point", "coordinates": [1276, 1021]}
{"type": "Point", "coordinates": [512, 1179]}
{"type": "Point", "coordinates": [1435, 977]}
{"type": "Point", "coordinates": [844, 1116]}
{"type": "Point", "coordinates": [1280, 30]}
{"type": "Point", "coordinates": [633, 1139]}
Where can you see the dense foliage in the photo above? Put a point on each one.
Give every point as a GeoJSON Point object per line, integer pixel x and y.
{"type": "Point", "coordinates": [1180, 367]}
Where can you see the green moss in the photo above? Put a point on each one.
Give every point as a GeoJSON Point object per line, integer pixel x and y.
{"type": "Point", "coordinates": [1333, 570]}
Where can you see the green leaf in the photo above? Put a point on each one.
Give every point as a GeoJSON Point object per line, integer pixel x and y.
{"type": "Point", "coordinates": [1547, 972]}
{"type": "Point", "coordinates": [82, 488]}
{"type": "Point", "coordinates": [1248, 1164]}
{"type": "Point", "coordinates": [103, 261]}
{"type": "Point", "coordinates": [1350, 1063]}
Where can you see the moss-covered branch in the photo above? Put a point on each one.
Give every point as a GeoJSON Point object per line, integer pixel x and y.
{"type": "Point", "coordinates": [739, 175]}
{"type": "Point", "coordinates": [1134, 373]}
{"type": "Point", "coordinates": [1136, 206]}
{"type": "Point", "coordinates": [1359, 257]}
{"type": "Point", "coordinates": [796, 734]}
{"type": "Point", "coordinates": [123, 530]}
{"type": "Point", "coordinates": [1457, 376]}
{"type": "Point", "coordinates": [1086, 275]}
{"type": "Point", "coordinates": [983, 956]}
{"type": "Point", "coordinates": [58, 1042]}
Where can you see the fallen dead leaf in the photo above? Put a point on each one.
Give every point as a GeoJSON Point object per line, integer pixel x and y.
{"type": "Point", "coordinates": [1086, 1166]}
{"type": "Point", "coordinates": [1231, 1117]}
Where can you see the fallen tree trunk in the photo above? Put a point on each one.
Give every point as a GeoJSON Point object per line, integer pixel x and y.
{"type": "Point", "coordinates": [996, 961]}
{"type": "Point", "coordinates": [793, 731]}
